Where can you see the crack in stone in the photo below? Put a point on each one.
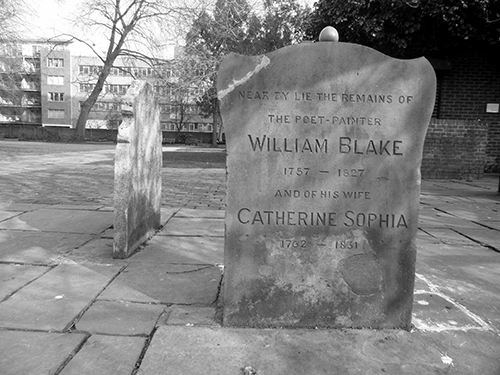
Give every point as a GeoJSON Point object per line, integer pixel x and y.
{"type": "Point", "coordinates": [195, 270]}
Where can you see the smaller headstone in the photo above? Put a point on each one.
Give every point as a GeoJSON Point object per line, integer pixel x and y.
{"type": "Point", "coordinates": [138, 161]}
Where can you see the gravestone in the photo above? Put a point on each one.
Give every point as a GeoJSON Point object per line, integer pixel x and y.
{"type": "Point", "coordinates": [324, 145]}
{"type": "Point", "coordinates": [138, 161]}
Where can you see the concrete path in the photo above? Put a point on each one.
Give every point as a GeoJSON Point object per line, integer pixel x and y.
{"type": "Point", "coordinates": [67, 307]}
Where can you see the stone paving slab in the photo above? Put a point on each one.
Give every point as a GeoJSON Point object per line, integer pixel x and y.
{"type": "Point", "coordinates": [192, 316]}
{"type": "Point", "coordinates": [470, 211]}
{"type": "Point", "coordinates": [166, 283]}
{"type": "Point", "coordinates": [15, 276]}
{"type": "Point", "coordinates": [66, 221]}
{"type": "Point", "coordinates": [21, 207]}
{"type": "Point", "coordinates": [433, 312]}
{"type": "Point", "coordinates": [106, 355]}
{"type": "Point", "coordinates": [120, 318]}
{"type": "Point", "coordinates": [455, 223]}
{"type": "Point", "coordinates": [193, 227]}
{"type": "Point", "coordinates": [4, 215]}
{"type": "Point", "coordinates": [483, 236]}
{"type": "Point", "coordinates": [35, 353]}
{"type": "Point", "coordinates": [467, 277]}
{"type": "Point", "coordinates": [166, 214]}
{"type": "Point", "coordinates": [229, 351]}
{"type": "Point", "coordinates": [494, 224]}
{"type": "Point", "coordinates": [185, 250]}
{"type": "Point", "coordinates": [119, 291]}
{"type": "Point", "coordinates": [97, 250]}
{"type": "Point", "coordinates": [192, 213]}
{"type": "Point", "coordinates": [79, 207]}
{"type": "Point", "coordinates": [54, 300]}
{"type": "Point", "coordinates": [449, 236]}
{"type": "Point", "coordinates": [37, 247]}
{"type": "Point", "coordinates": [438, 219]}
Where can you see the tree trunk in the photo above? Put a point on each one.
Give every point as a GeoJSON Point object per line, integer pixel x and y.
{"type": "Point", "coordinates": [87, 105]}
{"type": "Point", "coordinates": [214, 126]}
{"type": "Point", "coordinates": [82, 120]}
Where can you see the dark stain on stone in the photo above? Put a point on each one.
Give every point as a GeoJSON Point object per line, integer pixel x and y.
{"type": "Point", "coordinates": [362, 273]}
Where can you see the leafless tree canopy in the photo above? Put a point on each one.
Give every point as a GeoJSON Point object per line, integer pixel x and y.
{"type": "Point", "coordinates": [132, 28]}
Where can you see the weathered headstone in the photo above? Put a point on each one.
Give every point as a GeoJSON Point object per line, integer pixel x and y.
{"type": "Point", "coordinates": [138, 161]}
{"type": "Point", "coordinates": [324, 146]}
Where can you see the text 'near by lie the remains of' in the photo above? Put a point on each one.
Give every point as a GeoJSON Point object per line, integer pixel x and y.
{"type": "Point", "coordinates": [324, 146]}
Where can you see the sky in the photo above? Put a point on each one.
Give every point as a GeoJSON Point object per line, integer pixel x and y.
{"type": "Point", "coordinates": [49, 18]}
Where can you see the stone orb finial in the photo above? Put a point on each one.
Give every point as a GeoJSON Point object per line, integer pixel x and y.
{"type": "Point", "coordinates": [329, 34]}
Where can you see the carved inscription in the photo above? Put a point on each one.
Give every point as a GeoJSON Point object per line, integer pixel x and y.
{"type": "Point", "coordinates": [347, 143]}
{"type": "Point", "coordinates": [320, 96]}
{"type": "Point", "coordinates": [317, 219]}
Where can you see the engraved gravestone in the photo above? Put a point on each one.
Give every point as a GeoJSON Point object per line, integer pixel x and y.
{"type": "Point", "coordinates": [324, 147]}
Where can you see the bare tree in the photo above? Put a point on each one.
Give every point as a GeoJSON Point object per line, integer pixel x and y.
{"type": "Point", "coordinates": [239, 26]}
{"type": "Point", "coordinates": [132, 28]}
{"type": "Point", "coordinates": [9, 19]}
{"type": "Point", "coordinates": [10, 63]}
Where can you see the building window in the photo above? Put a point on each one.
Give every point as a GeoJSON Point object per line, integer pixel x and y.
{"type": "Point", "coordinates": [90, 69]}
{"type": "Point", "coordinates": [106, 106]}
{"type": "Point", "coordinates": [36, 50]}
{"type": "Point", "coordinates": [55, 62]}
{"type": "Point", "coordinates": [56, 96]}
{"type": "Point", "coordinates": [86, 87]}
{"type": "Point", "coordinates": [84, 69]}
{"type": "Point", "coordinates": [56, 113]}
{"type": "Point", "coordinates": [55, 80]}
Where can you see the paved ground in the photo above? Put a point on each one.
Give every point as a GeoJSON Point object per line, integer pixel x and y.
{"type": "Point", "coordinates": [67, 307]}
{"type": "Point", "coordinates": [79, 174]}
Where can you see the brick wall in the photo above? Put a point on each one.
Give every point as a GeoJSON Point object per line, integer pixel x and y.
{"type": "Point", "coordinates": [455, 149]}
{"type": "Point", "coordinates": [463, 92]}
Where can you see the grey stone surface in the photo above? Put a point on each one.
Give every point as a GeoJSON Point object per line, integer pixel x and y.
{"type": "Point", "coordinates": [54, 300]}
{"type": "Point", "coordinates": [465, 276]}
{"type": "Point", "coordinates": [66, 221]}
{"type": "Point", "coordinates": [189, 212]}
{"type": "Point", "coordinates": [168, 283]}
{"type": "Point", "coordinates": [87, 207]}
{"type": "Point", "coordinates": [167, 213]}
{"type": "Point", "coordinates": [444, 316]}
{"type": "Point", "coordinates": [20, 206]}
{"type": "Point", "coordinates": [8, 214]}
{"type": "Point", "coordinates": [120, 318]}
{"type": "Point", "coordinates": [106, 355]}
{"type": "Point", "coordinates": [37, 247]}
{"type": "Point", "coordinates": [138, 161]}
{"type": "Point", "coordinates": [324, 148]}
{"type": "Point", "coordinates": [192, 316]}
{"type": "Point", "coordinates": [229, 351]}
{"type": "Point", "coordinates": [185, 226]}
{"type": "Point", "coordinates": [35, 353]}
{"type": "Point", "coordinates": [493, 224]}
{"type": "Point", "coordinates": [97, 250]}
{"type": "Point", "coordinates": [483, 235]}
{"type": "Point", "coordinates": [183, 249]}
{"type": "Point", "coordinates": [15, 276]}
{"type": "Point", "coordinates": [120, 291]}
{"type": "Point", "coordinates": [449, 236]}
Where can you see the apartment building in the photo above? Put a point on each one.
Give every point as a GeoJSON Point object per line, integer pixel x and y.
{"type": "Point", "coordinates": [35, 83]}
{"type": "Point", "coordinates": [43, 84]}
{"type": "Point", "coordinates": [179, 112]}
